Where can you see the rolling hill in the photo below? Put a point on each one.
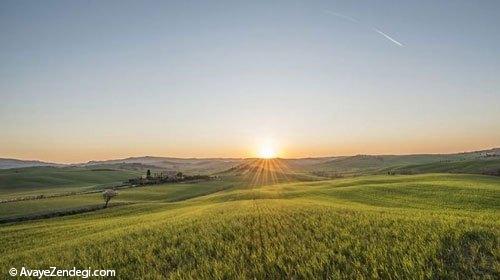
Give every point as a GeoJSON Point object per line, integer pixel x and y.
{"type": "Point", "coordinates": [271, 171]}
{"type": "Point", "coordinates": [39, 179]}
{"type": "Point", "coordinates": [489, 166]}
{"type": "Point", "coordinates": [6, 163]}
{"type": "Point", "coordinates": [377, 164]}
{"type": "Point", "coordinates": [199, 166]}
{"type": "Point", "coordinates": [434, 226]}
{"type": "Point", "coordinates": [42, 180]}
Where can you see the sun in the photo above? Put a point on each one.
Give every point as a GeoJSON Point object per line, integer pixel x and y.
{"type": "Point", "coordinates": [267, 152]}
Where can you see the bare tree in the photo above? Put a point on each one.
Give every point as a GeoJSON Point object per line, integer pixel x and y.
{"type": "Point", "coordinates": [107, 195]}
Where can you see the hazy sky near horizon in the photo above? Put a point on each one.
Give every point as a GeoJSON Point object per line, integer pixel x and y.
{"type": "Point", "coordinates": [83, 80]}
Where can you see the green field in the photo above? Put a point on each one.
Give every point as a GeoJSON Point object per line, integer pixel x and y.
{"type": "Point", "coordinates": [20, 182]}
{"type": "Point", "coordinates": [474, 166]}
{"type": "Point", "coordinates": [437, 226]}
{"type": "Point", "coordinates": [480, 162]}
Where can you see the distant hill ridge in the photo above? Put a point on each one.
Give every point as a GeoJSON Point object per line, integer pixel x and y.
{"type": "Point", "coordinates": [7, 163]}
{"type": "Point", "coordinates": [477, 162]}
{"type": "Point", "coordinates": [223, 164]}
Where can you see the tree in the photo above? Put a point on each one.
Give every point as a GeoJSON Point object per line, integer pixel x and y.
{"type": "Point", "coordinates": [148, 174]}
{"type": "Point", "coordinates": [180, 175]}
{"type": "Point", "coordinates": [107, 195]}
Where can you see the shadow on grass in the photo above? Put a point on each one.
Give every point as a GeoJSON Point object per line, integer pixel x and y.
{"type": "Point", "coordinates": [59, 213]}
{"type": "Point", "coordinates": [468, 255]}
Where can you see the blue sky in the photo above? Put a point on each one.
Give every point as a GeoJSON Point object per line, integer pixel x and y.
{"type": "Point", "coordinates": [83, 80]}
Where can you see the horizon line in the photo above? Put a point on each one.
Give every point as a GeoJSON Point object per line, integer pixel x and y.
{"type": "Point", "coordinates": [255, 157]}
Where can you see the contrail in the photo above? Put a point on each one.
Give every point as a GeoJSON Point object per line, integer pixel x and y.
{"type": "Point", "coordinates": [342, 16]}
{"type": "Point", "coordinates": [351, 19]}
{"type": "Point", "coordinates": [388, 37]}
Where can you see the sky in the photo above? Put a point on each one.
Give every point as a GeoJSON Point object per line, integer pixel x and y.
{"type": "Point", "coordinates": [92, 80]}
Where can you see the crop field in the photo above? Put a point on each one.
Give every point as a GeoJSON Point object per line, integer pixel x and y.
{"type": "Point", "coordinates": [490, 167]}
{"type": "Point", "coordinates": [433, 226]}
{"type": "Point", "coordinates": [47, 180]}
{"type": "Point", "coordinates": [160, 193]}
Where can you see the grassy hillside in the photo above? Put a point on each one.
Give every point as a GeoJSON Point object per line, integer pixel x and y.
{"type": "Point", "coordinates": [389, 227]}
{"type": "Point", "coordinates": [269, 171]}
{"type": "Point", "coordinates": [189, 165]}
{"type": "Point", "coordinates": [481, 162]}
{"type": "Point", "coordinates": [489, 166]}
{"type": "Point", "coordinates": [43, 180]}
{"type": "Point", "coordinates": [368, 163]}
{"type": "Point", "coordinates": [154, 193]}
{"type": "Point", "coordinates": [6, 163]}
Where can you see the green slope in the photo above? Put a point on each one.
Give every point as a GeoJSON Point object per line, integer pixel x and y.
{"type": "Point", "coordinates": [473, 163]}
{"type": "Point", "coordinates": [401, 227]}
{"type": "Point", "coordinates": [42, 180]}
{"type": "Point", "coordinates": [154, 193]}
{"type": "Point", "coordinates": [269, 171]}
{"type": "Point", "coordinates": [476, 166]}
